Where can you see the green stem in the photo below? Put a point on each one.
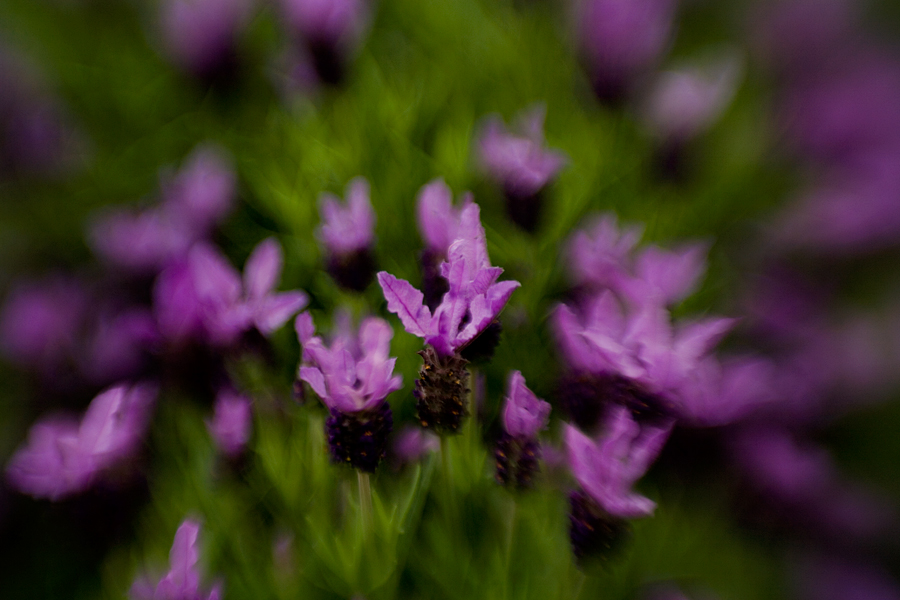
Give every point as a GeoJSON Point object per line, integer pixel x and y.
{"type": "Point", "coordinates": [365, 501]}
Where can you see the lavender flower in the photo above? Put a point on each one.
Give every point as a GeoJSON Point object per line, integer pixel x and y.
{"type": "Point", "coordinates": [413, 443]}
{"type": "Point", "coordinates": [200, 35]}
{"type": "Point", "coordinates": [606, 470]}
{"type": "Point", "coordinates": [353, 378]}
{"type": "Point", "coordinates": [64, 456]}
{"type": "Point", "coordinates": [41, 321]}
{"type": "Point", "coordinates": [348, 235]}
{"type": "Point", "coordinates": [330, 29]}
{"type": "Point", "coordinates": [520, 164]}
{"type": "Point", "coordinates": [620, 40]}
{"type": "Point", "coordinates": [194, 201]}
{"type": "Point", "coordinates": [231, 424]}
{"type": "Point", "coordinates": [182, 582]}
{"type": "Point", "coordinates": [471, 304]}
{"type": "Point", "coordinates": [117, 344]}
{"type": "Point", "coordinates": [439, 223]}
{"type": "Point", "coordinates": [202, 298]}
{"type": "Point", "coordinates": [518, 450]}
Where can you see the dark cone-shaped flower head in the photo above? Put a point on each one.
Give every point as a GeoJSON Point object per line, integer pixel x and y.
{"type": "Point", "coordinates": [441, 391]}
{"type": "Point", "coordinates": [360, 439]}
{"type": "Point", "coordinates": [594, 533]}
{"type": "Point", "coordinates": [517, 460]}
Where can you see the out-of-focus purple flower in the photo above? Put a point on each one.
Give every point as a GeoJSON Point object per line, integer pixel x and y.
{"type": "Point", "coordinates": [620, 40]}
{"type": "Point", "coordinates": [117, 344]}
{"type": "Point", "coordinates": [682, 103]}
{"type": "Point", "coordinates": [645, 358]}
{"type": "Point", "coordinates": [603, 257]}
{"type": "Point", "coordinates": [182, 582]}
{"type": "Point", "coordinates": [353, 378]}
{"type": "Point", "coordinates": [345, 380]}
{"type": "Point", "coordinates": [846, 109]}
{"type": "Point", "coordinates": [231, 423]}
{"type": "Point", "coordinates": [519, 163]}
{"type": "Point", "coordinates": [330, 29]}
{"type": "Point", "coordinates": [834, 578]}
{"type": "Point", "coordinates": [200, 35]}
{"type": "Point", "coordinates": [41, 321]}
{"type": "Point", "coordinates": [64, 456]}
{"type": "Point", "coordinates": [473, 301]}
{"type": "Point", "coordinates": [347, 234]}
{"type": "Point", "coordinates": [524, 414]}
{"type": "Point", "coordinates": [803, 482]}
{"type": "Point", "coordinates": [607, 469]}
{"type": "Point", "coordinates": [518, 450]}
{"type": "Point", "coordinates": [203, 297]}
{"type": "Point", "coordinates": [194, 201]}
{"type": "Point", "coordinates": [439, 221]}
{"type": "Point", "coordinates": [413, 443]}
{"type": "Point", "coordinates": [798, 35]}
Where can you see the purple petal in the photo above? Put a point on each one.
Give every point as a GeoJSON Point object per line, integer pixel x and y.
{"type": "Point", "coordinates": [672, 274]}
{"type": "Point", "coordinates": [263, 268]}
{"type": "Point", "coordinates": [215, 280]}
{"type": "Point", "coordinates": [375, 337]}
{"type": "Point", "coordinates": [524, 414]}
{"type": "Point", "coordinates": [178, 310]}
{"type": "Point", "coordinates": [347, 229]}
{"type": "Point", "coordinates": [438, 222]}
{"type": "Point", "coordinates": [231, 423]}
{"type": "Point", "coordinates": [183, 579]}
{"type": "Point", "coordinates": [38, 468]}
{"type": "Point", "coordinates": [277, 309]}
{"type": "Point", "coordinates": [304, 327]}
{"type": "Point", "coordinates": [406, 302]}
{"type": "Point", "coordinates": [315, 379]}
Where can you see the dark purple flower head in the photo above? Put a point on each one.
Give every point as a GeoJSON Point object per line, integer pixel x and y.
{"type": "Point", "coordinates": [194, 201]}
{"type": "Point", "coordinates": [607, 468]}
{"type": "Point", "coordinates": [473, 301]}
{"type": "Point", "coordinates": [439, 220]}
{"type": "Point", "coordinates": [41, 321]}
{"type": "Point", "coordinates": [203, 297]}
{"type": "Point", "coordinates": [353, 374]}
{"type": "Point", "coordinates": [519, 163]}
{"type": "Point", "coordinates": [621, 40]}
{"type": "Point", "coordinates": [683, 103]}
{"type": "Point", "coordinates": [200, 35]}
{"type": "Point", "coordinates": [182, 582]}
{"type": "Point", "coordinates": [524, 414]}
{"type": "Point", "coordinates": [231, 423]}
{"type": "Point", "coordinates": [64, 456]}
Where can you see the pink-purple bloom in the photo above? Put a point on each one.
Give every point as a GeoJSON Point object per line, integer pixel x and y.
{"type": "Point", "coordinates": [193, 202]}
{"type": "Point", "coordinates": [354, 374]}
{"type": "Point", "coordinates": [608, 468]}
{"type": "Point", "coordinates": [519, 162]}
{"type": "Point", "coordinates": [347, 234]}
{"type": "Point", "coordinates": [524, 414]}
{"type": "Point", "coordinates": [203, 298]}
{"type": "Point", "coordinates": [182, 582]}
{"type": "Point", "coordinates": [682, 103]}
{"type": "Point", "coordinates": [65, 455]}
{"type": "Point", "coordinates": [200, 35]}
{"type": "Point", "coordinates": [474, 298]}
{"type": "Point", "coordinates": [439, 220]}
{"type": "Point", "coordinates": [620, 40]}
{"type": "Point", "coordinates": [232, 423]}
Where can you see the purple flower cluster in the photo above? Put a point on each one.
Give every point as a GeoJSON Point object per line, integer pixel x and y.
{"type": "Point", "coordinates": [621, 346]}
{"type": "Point", "coordinates": [64, 456]}
{"type": "Point", "coordinates": [353, 378]}
{"type": "Point", "coordinates": [518, 449]}
{"type": "Point", "coordinates": [182, 581]}
{"type": "Point", "coordinates": [520, 164]}
{"type": "Point", "coordinates": [192, 203]}
{"type": "Point", "coordinates": [203, 298]}
{"type": "Point", "coordinates": [347, 234]}
{"type": "Point", "coordinates": [200, 36]}
{"type": "Point", "coordinates": [231, 424]}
